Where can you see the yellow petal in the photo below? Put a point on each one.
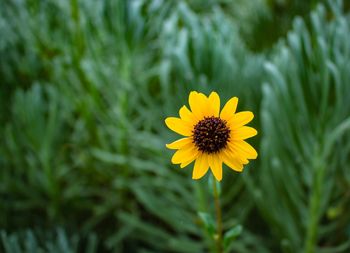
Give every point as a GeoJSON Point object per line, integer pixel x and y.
{"type": "Point", "coordinates": [199, 104]}
{"type": "Point", "coordinates": [231, 161]}
{"type": "Point", "coordinates": [214, 101]}
{"type": "Point", "coordinates": [190, 159]}
{"type": "Point", "coordinates": [215, 164]}
{"type": "Point", "coordinates": [188, 116]}
{"type": "Point", "coordinates": [240, 119]}
{"type": "Point", "coordinates": [182, 155]}
{"type": "Point", "coordinates": [181, 143]}
{"type": "Point", "coordinates": [243, 147]}
{"type": "Point", "coordinates": [179, 126]}
{"type": "Point", "coordinates": [229, 109]}
{"type": "Point", "coordinates": [243, 133]}
{"type": "Point", "coordinates": [237, 155]}
{"type": "Point", "coordinates": [201, 166]}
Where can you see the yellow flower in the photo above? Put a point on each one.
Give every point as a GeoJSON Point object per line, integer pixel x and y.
{"type": "Point", "coordinates": [211, 137]}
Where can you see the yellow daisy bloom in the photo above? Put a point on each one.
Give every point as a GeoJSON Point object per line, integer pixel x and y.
{"type": "Point", "coordinates": [211, 137]}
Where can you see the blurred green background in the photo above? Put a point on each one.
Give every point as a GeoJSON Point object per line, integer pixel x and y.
{"type": "Point", "coordinates": [85, 87]}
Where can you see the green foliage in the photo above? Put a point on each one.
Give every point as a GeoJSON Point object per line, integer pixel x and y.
{"type": "Point", "coordinates": [58, 242]}
{"type": "Point", "coordinates": [231, 235]}
{"type": "Point", "coordinates": [207, 53]}
{"type": "Point", "coordinates": [85, 87]}
{"type": "Point", "coordinates": [84, 135]}
{"type": "Point", "coordinates": [305, 148]}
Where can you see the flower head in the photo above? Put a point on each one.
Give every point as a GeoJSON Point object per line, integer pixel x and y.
{"type": "Point", "coordinates": [211, 137]}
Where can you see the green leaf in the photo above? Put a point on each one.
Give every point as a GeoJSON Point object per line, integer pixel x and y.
{"type": "Point", "coordinates": [208, 222]}
{"type": "Point", "coordinates": [231, 235]}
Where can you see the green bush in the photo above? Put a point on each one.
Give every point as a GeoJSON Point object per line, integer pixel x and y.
{"type": "Point", "coordinates": [55, 242]}
{"type": "Point", "coordinates": [86, 86]}
{"type": "Point", "coordinates": [84, 140]}
{"type": "Point", "coordinates": [304, 176]}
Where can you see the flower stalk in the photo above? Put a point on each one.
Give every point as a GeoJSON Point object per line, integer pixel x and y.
{"type": "Point", "coordinates": [219, 231]}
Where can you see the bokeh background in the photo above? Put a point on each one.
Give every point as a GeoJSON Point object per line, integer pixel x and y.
{"type": "Point", "coordinates": [85, 87]}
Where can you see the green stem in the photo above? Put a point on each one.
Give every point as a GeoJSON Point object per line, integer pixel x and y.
{"type": "Point", "coordinates": [314, 211]}
{"type": "Point", "coordinates": [218, 238]}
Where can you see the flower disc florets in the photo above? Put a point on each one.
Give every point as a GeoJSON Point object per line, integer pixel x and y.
{"type": "Point", "coordinates": [211, 134]}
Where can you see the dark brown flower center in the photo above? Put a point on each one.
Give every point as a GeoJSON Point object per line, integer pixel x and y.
{"type": "Point", "coordinates": [211, 134]}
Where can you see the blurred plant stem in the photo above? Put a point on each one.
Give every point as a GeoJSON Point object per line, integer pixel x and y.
{"type": "Point", "coordinates": [78, 36]}
{"type": "Point", "coordinates": [314, 210]}
{"type": "Point", "coordinates": [218, 236]}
